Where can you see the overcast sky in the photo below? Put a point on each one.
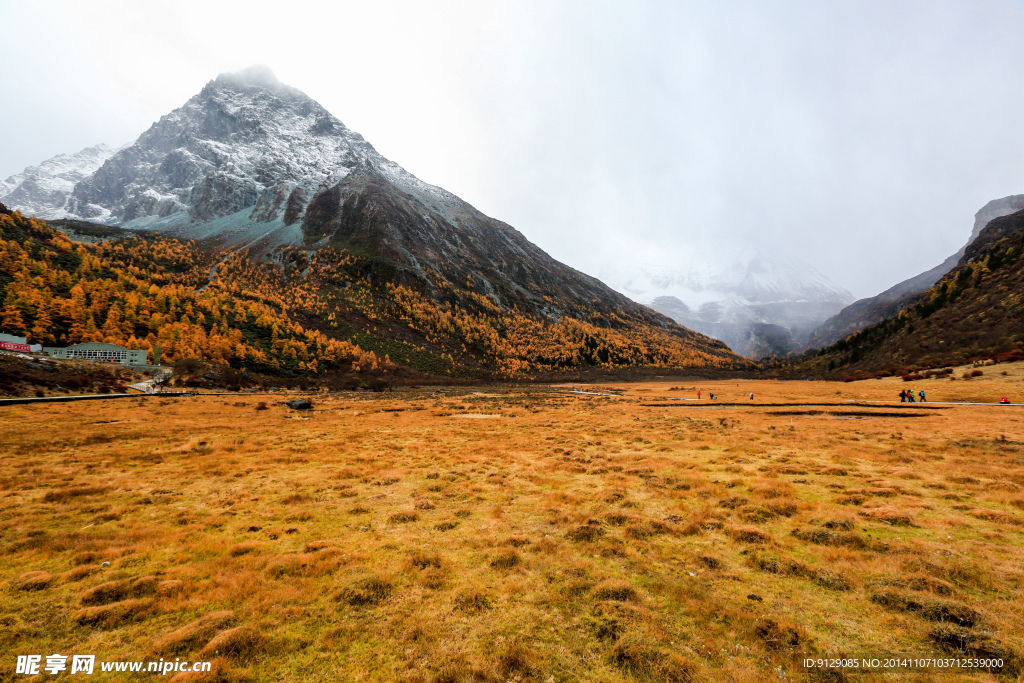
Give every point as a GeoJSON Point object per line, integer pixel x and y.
{"type": "Point", "coordinates": [860, 136]}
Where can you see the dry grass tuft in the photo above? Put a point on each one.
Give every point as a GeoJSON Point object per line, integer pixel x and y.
{"type": "Point", "coordinates": [749, 534]}
{"type": "Point", "coordinates": [422, 560]}
{"type": "Point", "coordinates": [775, 564]}
{"type": "Point", "coordinates": [220, 671]}
{"type": "Point", "coordinates": [85, 557]}
{"type": "Point", "coordinates": [920, 582]}
{"type": "Point", "coordinates": [403, 518]}
{"type": "Point", "coordinates": [434, 579]}
{"type": "Point", "coordinates": [194, 633]}
{"type": "Point", "coordinates": [78, 574]}
{"type": "Point", "coordinates": [318, 563]}
{"type": "Point", "coordinates": [639, 656]}
{"type": "Point", "coordinates": [710, 562]}
{"type": "Point", "coordinates": [995, 516]}
{"type": "Point", "coordinates": [612, 589]}
{"type": "Point", "coordinates": [314, 546]}
{"type": "Point", "coordinates": [516, 541]}
{"type": "Point", "coordinates": [782, 508]}
{"type": "Point", "coordinates": [932, 609]}
{"type": "Point", "coordinates": [849, 539]}
{"type": "Point", "coordinates": [459, 670]}
{"type": "Point", "coordinates": [473, 599]}
{"type": "Point", "coordinates": [516, 662]}
{"type": "Point", "coordinates": [245, 548]}
{"type": "Point", "coordinates": [701, 520]}
{"type": "Point", "coordinates": [33, 581]}
{"type": "Point", "coordinates": [839, 524]}
{"type": "Point", "coordinates": [757, 514]}
{"type": "Point", "coordinates": [889, 515]}
{"type": "Point", "coordinates": [115, 614]}
{"type": "Point", "coordinates": [960, 641]}
{"type": "Point", "coordinates": [296, 498]}
{"type": "Point", "coordinates": [112, 591]}
{"type": "Point", "coordinates": [957, 571]}
{"type": "Point", "coordinates": [616, 518]}
{"type": "Point", "coordinates": [778, 634]}
{"type": "Point", "coordinates": [170, 588]}
{"type": "Point", "coordinates": [242, 643]}
{"type": "Point", "coordinates": [585, 533]}
{"type": "Point", "coordinates": [372, 590]}
{"type": "Point", "coordinates": [65, 495]}
{"type": "Point", "coordinates": [506, 559]}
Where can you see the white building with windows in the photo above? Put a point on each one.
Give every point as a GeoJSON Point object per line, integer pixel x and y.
{"type": "Point", "coordinates": [99, 352]}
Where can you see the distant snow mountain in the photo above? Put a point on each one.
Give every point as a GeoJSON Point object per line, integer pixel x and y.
{"type": "Point", "coordinates": [44, 190]}
{"type": "Point", "coordinates": [758, 304]}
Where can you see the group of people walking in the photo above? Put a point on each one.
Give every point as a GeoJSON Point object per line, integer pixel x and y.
{"type": "Point", "coordinates": [907, 396]}
{"type": "Point", "coordinates": [715, 396]}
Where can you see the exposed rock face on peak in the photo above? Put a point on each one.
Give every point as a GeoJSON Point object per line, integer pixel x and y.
{"type": "Point", "coordinates": [241, 136]}
{"type": "Point", "coordinates": [866, 312]}
{"type": "Point", "coordinates": [364, 214]}
{"type": "Point", "coordinates": [44, 190]}
{"type": "Point", "coordinates": [985, 237]}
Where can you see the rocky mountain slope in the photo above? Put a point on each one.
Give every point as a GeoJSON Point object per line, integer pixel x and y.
{"type": "Point", "coordinates": [44, 190]}
{"type": "Point", "coordinates": [866, 312]}
{"type": "Point", "coordinates": [251, 159]}
{"type": "Point", "coordinates": [760, 305]}
{"type": "Point", "coordinates": [306, 216]}
{"type": "Point", "coordinates": [974, 311]}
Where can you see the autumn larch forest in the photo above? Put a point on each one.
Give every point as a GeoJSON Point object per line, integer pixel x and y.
{"type": "Point", "coordinates": [298, 312]}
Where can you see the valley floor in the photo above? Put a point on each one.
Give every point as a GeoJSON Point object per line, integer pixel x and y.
{"type": "Point", "coordinates": [517, 533]}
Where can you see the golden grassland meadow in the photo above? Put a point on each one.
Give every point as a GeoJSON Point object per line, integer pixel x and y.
{"type": "Point", "coordinates": [519, 533]}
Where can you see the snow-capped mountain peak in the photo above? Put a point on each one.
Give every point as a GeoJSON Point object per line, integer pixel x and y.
{"type": "Point", "coordinates": [246, 141]}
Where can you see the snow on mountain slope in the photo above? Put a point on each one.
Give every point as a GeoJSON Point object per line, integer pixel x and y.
{"type": "Point", "coordinates": [758, 304]}
{"type": "Point", "coordinates": [44, 190]}
{"type": "Point", "coordinates": [699, 278]}
{"type": "Point", "coordinates": [245, 141]}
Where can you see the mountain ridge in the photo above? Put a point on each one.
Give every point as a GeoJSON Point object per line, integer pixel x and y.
{"type": "Point", "coordinates": [868, 311]}
{"type": "Point", "coordinates": [974, 312]}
